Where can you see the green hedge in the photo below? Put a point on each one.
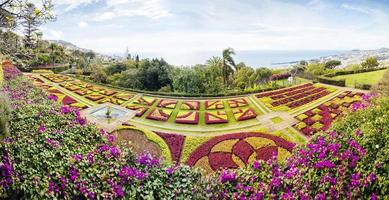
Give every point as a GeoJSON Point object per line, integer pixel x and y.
{"type": "Point", "coordinates": [339, 73]}
{"type": "Point", "coordinates": [340, 82]}
{"type": "Point", "coordinates": [363, 86]}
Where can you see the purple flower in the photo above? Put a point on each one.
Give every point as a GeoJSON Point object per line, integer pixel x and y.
{"type": "Point", "coordinates": [52, 97]}
{"type": "Point", "coordinates": [111, 138]}
{"type": "Point", "coordinates": [118, 191]}
{"type": "Point", "coordinates": [358, 133]}
{"type": "Point", "coordinates": [115, 152]}
{"type": "Point", "coordinates": [147, 160]}
{"type": "Point", "coordinates": [73, 174]}
{"type": "Point", "coordinates": [256, 165]}
{"type": "Point", "coordinates": [373, 196]}
{"type": "Point", "coordinates": [227, 176]}
{"type": "Point", "coordinates": [90, 158]}
{"type": "Point", "coordinates": [324, 164]}
{"type": "Point", "coordinates": [41, 128]}
{"type": "Point", "coordinates": [81, 121]}
{"type": "Point", "coordinates": [65, 110]}
{"type": "Point", "coordinates": [77, 157]}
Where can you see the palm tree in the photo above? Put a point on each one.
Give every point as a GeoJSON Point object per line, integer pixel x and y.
{"type": "Point", "coordinates": [228, 64]}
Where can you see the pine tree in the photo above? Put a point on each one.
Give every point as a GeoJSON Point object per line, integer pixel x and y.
{"type": "Point", "coordinates": [30, 22]}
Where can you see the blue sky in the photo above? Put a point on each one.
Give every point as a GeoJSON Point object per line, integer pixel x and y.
{"type": "Point", "coordinates": [171, 27]}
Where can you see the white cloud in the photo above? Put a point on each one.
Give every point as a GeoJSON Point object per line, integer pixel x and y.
{"type": "Point", "coordinates": [152, 9]}
{"type": "Point", "coordinates": [52, 34]}
{"type": "Point", "coordinates": [356, 8]}
{"type": "Point", "coordinates": [72, 4]}
{"type": "Point", "coordinates": [83, 24]}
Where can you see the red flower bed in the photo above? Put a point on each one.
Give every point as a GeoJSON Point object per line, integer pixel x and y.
{"type": "Point", "coordinates": [241, 149]}
{"type": "Point", "coordinates": [244, 114]}
{"type": "Point", "coordinates": [158, 115]}
{"type": "Point", "coordinates": [188, 118]}
{"type": "Point", "coordinates": [190, 105]}
{"type": "Point", "coordinates": [140, 110]}
{"type": "Point", "coordinates": [217, 117]}
{"type": "Point", "coordinates": [328, 113]}
{"type": "Point", "coordinates": [67, 100]}
{"type": "Point", "coordinates": [214, 104]}
{"type": "Point", "coordinates": [175, 143]}
{"type": "Point", "coordinates": [241, 102]}
{"type": "Point", "coordinates": [280, 91]}
{"type": "Point", "coordinates": [165, 103]}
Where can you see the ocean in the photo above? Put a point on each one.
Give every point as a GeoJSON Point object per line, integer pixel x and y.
{"type": "Point", "coordinates": [255, 58]}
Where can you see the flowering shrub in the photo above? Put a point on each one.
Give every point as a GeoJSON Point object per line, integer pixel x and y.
{"type": "Point", "coordinates": [54, 153]}
{"type": "Point", "coordinates": [275, 77]}
{"type": "Point", "coordinates": [325, 169]}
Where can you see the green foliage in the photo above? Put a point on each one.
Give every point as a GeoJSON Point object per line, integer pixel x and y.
{"type": "Point", "coordinates": [382, 87]}
{"type": "Point", "coordinates": [331, 64]}
{"type": "Point", "coordinates": [99, 75]}
{"type": "Point", "coordinates": [373, 125]}
{"type": "Point", "coordinates": [317, 69]}
{"type": "Point", "coordinates": [353, 67]}
{"type": "Point", "coordinates": [5, 111]}
{"type": "Point", "coordinates": [370, 62]}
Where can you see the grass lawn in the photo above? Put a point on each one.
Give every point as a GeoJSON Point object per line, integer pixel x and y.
{"type": "Point", "coordinates": [366, 78]}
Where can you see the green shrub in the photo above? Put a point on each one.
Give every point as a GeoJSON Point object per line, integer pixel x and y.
{"type": "Point", "coordinates": [340, 82]}
{"type": "Point", "coordinates": [4, 115]}
{"type": "Point", "coordinates": [373, 124]}
{"type": "Point", "coordinates": [363, 86]}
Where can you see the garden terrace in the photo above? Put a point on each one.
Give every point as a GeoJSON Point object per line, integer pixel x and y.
{"type": "Point", "coordinates": [215, 133]}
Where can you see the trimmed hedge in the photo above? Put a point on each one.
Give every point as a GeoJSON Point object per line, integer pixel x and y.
{"type": "Point", "coordinates": [363, 86]}
{"type": "Point", "coordinates": [339, 73]}
{"type": "Point", "coordinates": [322, 79]}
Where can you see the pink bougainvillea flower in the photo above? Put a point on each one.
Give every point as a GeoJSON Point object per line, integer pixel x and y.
{"type": "Point", "coordinates": [41, 128]}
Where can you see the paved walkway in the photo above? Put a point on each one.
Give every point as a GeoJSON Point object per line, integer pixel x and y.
{"type": "Point", "coordinates": [287, 121]}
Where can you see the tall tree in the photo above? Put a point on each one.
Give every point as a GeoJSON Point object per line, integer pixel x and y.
{"type": "Point", "coordinates": [32, 18]}
{"type": "Point", "coordinates": [228, 64]}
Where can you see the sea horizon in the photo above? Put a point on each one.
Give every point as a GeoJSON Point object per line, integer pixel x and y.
{"type": "Point", "coordinates": [252, 58]}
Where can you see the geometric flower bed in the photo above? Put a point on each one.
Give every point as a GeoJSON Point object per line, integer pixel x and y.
{"type": "Point", "coordinates": [242, 114]}
{"type": "Point", "coordinates": [214, 104]}
{"type": "Point", "coordinates": [144, 100]}
{"type": "Point", "coordinates": [216, 117]}
{"type": "Point", "coordinates": [111, 100]}
{"type": "Point", "coordinates": [175, 143]}
{"type": "Point", "coordinates": [123, 96]}
{"type": "Point", "coordinates": [187, 117]}
{"type": "Point", "coordinates": [95, 97]}
{"type": "Point", "coordinates": [238, 150]}
{"type": "Point", "coordinates": [165, 103]}
{"type": "Point", "coordinates": [321, 117]}
{"type": "Point", "coordinates": [290, 98]}
{"type": "Point", "coordinates": [190, 105]}
{"type": "Point", "coordinates": [241, 102]}
{"type": "Point", "coordinates": [159, 114]}
{"type": "Point", "coordinates": [107, 92]}
{"type": "Point", "coordinates": [56, 78]}
{"type": "Point", "coordinates": [140, 110]}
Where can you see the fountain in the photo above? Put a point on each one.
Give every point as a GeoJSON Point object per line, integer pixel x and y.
{"type": "Point", "coordinates": [108, 116]}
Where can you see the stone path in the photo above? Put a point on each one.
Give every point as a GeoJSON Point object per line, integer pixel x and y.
{"type": "Point", "coordinates": [287, 121]}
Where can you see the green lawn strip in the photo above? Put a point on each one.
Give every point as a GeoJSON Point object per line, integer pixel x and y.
{"type": "Point", "coordinates": [264, 109]}
{"type": "Point", "coordinates": [193, 129]}
{"type": "Point", "coordinates": [297, 136]}
{"type": "Point", "coordinates": [362, 78]}
{"type": "Point", "coordinates": [229, 111]}
{"type": "Point", "coordinates": [175, 112]}
{"type": "Point", "coordinates": [315, 103]}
